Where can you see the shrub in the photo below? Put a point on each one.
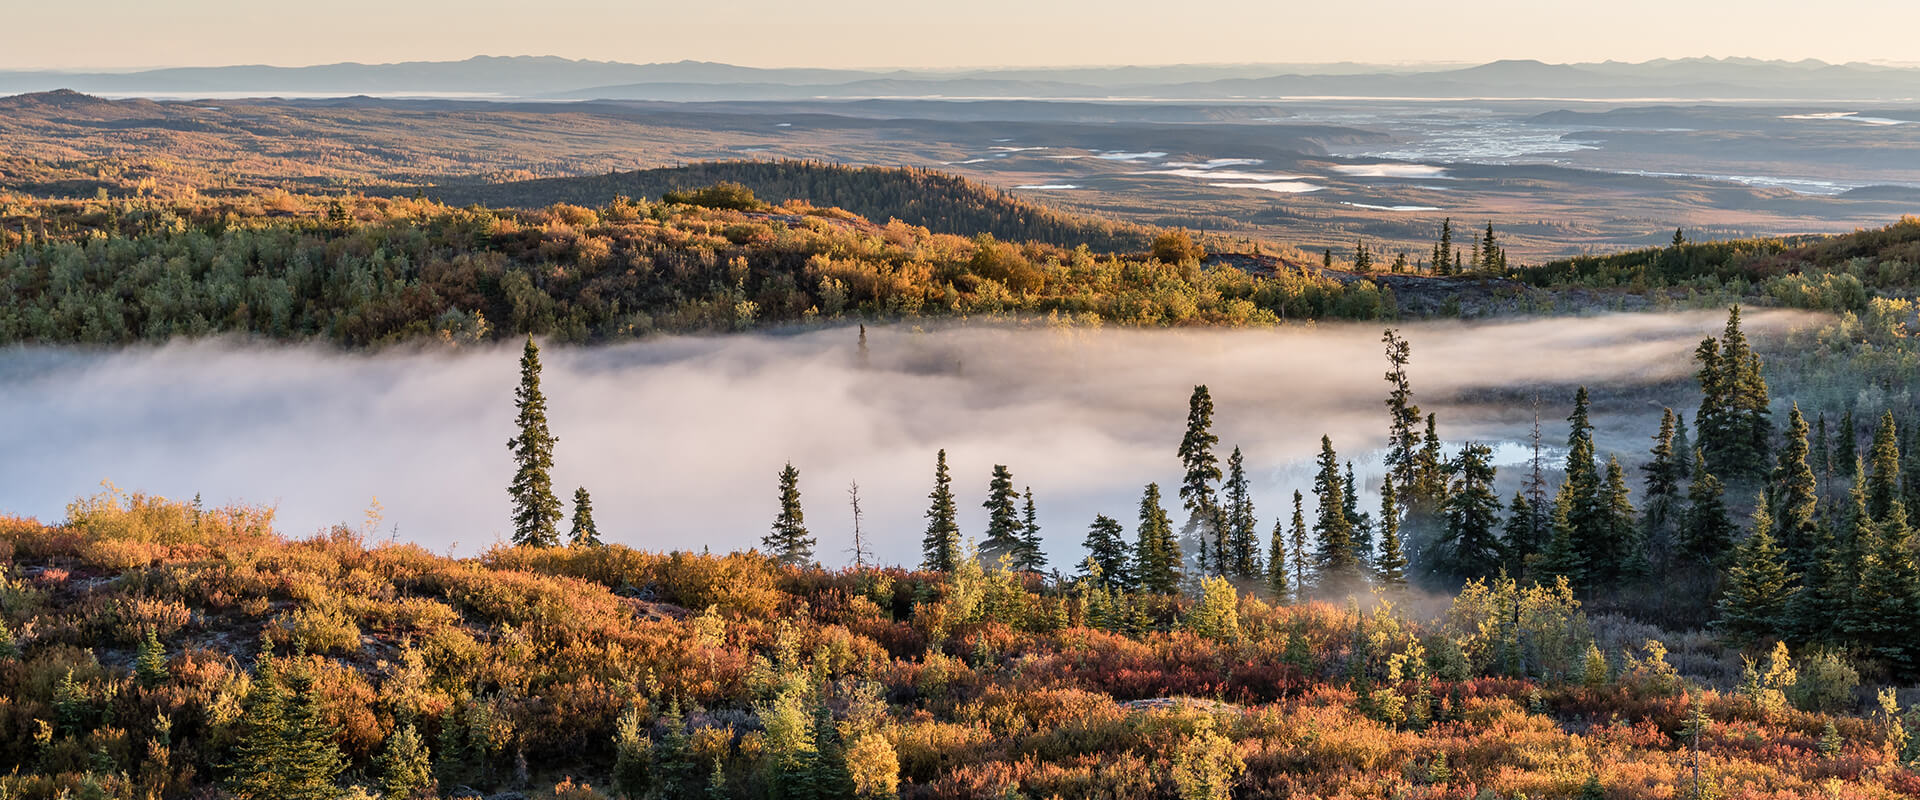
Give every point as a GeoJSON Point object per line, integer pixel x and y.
{"type": "Point", "coordinates": [1826, 683]}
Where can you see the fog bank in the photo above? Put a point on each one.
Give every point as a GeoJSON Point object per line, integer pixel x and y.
{"type": "Point", "coordinates": [679, 440]}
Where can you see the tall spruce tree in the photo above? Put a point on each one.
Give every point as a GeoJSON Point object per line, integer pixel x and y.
{"type": "Point", "coordinates": [1846, 445]}
{"type": "Point", "coordinates": [1157, 560]}
{"type": "Point", "coordinates": [1003, 518]}
{"type": "Point", "coordinates": [1626, 550]}
{"type": "Point", "coordinates": [1277, 583]}
{"type": "Point", "coordinates": [1403, 416]}
{"type": "Point", "coordinates": [1443, 249]}
{"type": "Point", "coordinates": [788, 541]}
{"type": "Point", "coordinates": [940, 548]}
{"type": "Point", "coordinates": [1883, 484]}
{"type": "Point", "coordinates": [1297, 534]}
{"type": "Point", "coordinates": [1825, 588]}
{"type": "Point", "coordinates": [1030, 557]}
{"type": "Point", "coordinates": [536, 511]}
{"type": "Point", "coordinates": [1108, 552]}
{"type": "Point", "coordinates": [585, 533]}
{"type": "Point", "coordinates": [1734, 431]}
{"type": "Point", "coordinates": [1469, 546]}
{"type": "Point", "coordinates": [1752, 428]}
{"type": "Point", "coordinates": [1706, 530]}
{"type": "Point", "coordinates": [1758, 587]}
{"type": "Point", "coordinates": [1823, 457]}
{"type": "Point", "coordinates": [1361, 521]}
{"type": "Point", "coordinates": [1886, 617]}
{"type": "Point", "coordinates": [1204, 522]}
{"type": "Point", "coordinates": [1664, 503]}
{"type": "Point", "coordinates": [1243, 537]}
{"type": "Point", "coordinates": [1910, 465]}
{"type": "Point", "coordinates": [1429, 488]}
{"type": "Point", "coordinates": [1588, 521]}
{"type": "Point", "coordinates": [1795, 501]}
{"type": "Point", "coordinates": [1338, 569]}
{"type": "Point", "coordinates": [1390, 565]}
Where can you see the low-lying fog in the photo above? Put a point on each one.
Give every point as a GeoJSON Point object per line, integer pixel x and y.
{"type": "Point", "coordinates": [679, 440]}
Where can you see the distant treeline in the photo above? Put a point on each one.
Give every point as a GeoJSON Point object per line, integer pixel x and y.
{"type": "Point", "coordinates": [363, 271]}
{"type": "Point", "coordinates": [937, 201]}
{"type": "Point", "coordinates": [1828, 273]}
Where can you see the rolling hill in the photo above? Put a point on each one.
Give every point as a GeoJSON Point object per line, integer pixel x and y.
{"type": "Point", "coordinates": [937, 201]}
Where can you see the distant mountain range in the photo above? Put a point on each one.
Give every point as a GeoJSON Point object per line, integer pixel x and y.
{"type": "Point", "coordinates": [548, 77]}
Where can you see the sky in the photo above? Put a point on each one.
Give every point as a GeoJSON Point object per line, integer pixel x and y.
{"type": "Point", "coordinates": [127, 34]}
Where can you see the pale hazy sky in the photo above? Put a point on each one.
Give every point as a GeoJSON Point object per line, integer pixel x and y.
{"type": "Point", "coordinates": [51, 34]}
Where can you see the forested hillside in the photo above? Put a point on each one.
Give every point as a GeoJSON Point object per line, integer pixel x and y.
{"type": "Point", "coordinates": [1827, 273]}
{"type": "Point", "coordinates": [938, 201]}
{"type": "Point", "coordinates": [360, 271]}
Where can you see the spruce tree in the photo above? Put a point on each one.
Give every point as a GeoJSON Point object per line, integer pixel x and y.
{"type": "Point", "coordinates": [1107, 550]}
{"type": "Point", "coordinates": [1663, 504]}
{"type": "Point", "coordinates": [1277, 584]}
{"type": "Point", "coordinates": [940, 548]}
{"type": "Point", "coordinates": [1910, 466]}
{"type": "Point", "coordinates": [150, 666]}
{"type": "Point", "coordinates": [1157, 559]}
{"type": "Point", "coordinates": [1337, 567]}
{"type": "Point", "coordinates": [1752, 430]}
{"type": "Point", "coordinates": [1297, 533]}
{"type": "Point", "coordinates": [1443, 250]}
{"type": "Point", "coordinates": [1823, 456]}
{"type": "Point", "coordinates": [1403, 441]}
{"type": "Point", "coordinates": [1390, 567]}
{"type": "Point", "coordinates": [405, 770]}
{"type": "Point", "coordinates": [536, 511]}
{"type": "Point", "coordinates": [1518, 537]}
{"type": "Point", "coordinates": [1706, 530]}
{"type": "Point", "coordinates": [1243, 537]}
{"type": "Point", "coordinates": [1758, 587]}
{"type": "Point", "coordinates": [1588, 521]}
{"type": "Point", "coordinates": [1883, 484]}
{"type": "Point", "coordinates": [1887, 603]}
{"type": "Point", "coordinates": [1469, 546]}
{"type": "Point", "coordinates": [788, 542]}
{"type": "Point", "coordinates": [1360, 521]}
{"type": "Point", "coordinates": [1825, 589]}
{"type": "Point", "coordinates": [1855, 535]}
{"type": "Point", "coordinates": [1429, 488]}
{"type": "Point", "coordinates": [1202, 471]}
{"type": "Point", "coordinates": [1626, 548]}
{"type": "Point", "coordinates": [1003, 518]}
{"type": "Point", "coordinates": [1563, 558]}
{"type": "Point", "coordinates": [1734, 431]}
{"type": "Point", "coordinates": [676, 774]}
{"type": "Point", "coordinates": [286, 751]}
{"type": "Point", "coordinates": [585, 533]}
{"type": "Point", "coordinates": [254, 773]}
{"type": "Point", "coordinates": [1846, 448]}
{"type": "Point", "coordinates": [1030, 557]}
{"type": "Point", "coordinates": [1796, 500]}
{"type": "Point", "coordinates": [831, 778]}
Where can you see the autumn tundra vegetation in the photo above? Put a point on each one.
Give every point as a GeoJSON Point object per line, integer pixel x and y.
{"type": "Point", "coordinates": [1732, 613]}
